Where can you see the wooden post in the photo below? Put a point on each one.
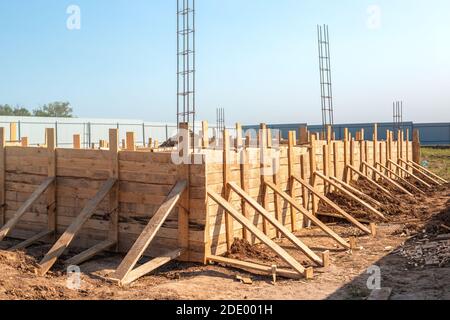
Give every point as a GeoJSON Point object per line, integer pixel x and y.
{"type": "Point", "coordinates": [2, 176]}
{"type": "Point", "coordinates": [269, 138]}
{"type": "Point", "coordinates": [313, 168]}
{"type": "Point", "coordinates": [291, 143]}
{"type": "Point", "coordinates": [352, 152]}
{"type": "Point", "coordinates": [114, 193]}
{"type": "Point", "coordinates": [205, 135]}
{"type": "Point", "coordinates": [407, 145]}
{"type": "Point", "coordinates": [303, 135]}
{"type": "Point", "coordinates": [76, 141]}
{"type": "Point", "coordinates": [51, 191]}
{"type": "Point", "coordinates": [416, 146]}
{"type": "Point", "coordinates": [13, 132]}
{"type": "Point", "coordinates": [131, 144]}
{"type": "Point", "coordinates": [238, 137]}
{"type": "Point", "coordinates": [305, 193]}
{"type": "Point", "coordinates": [226, 190]}
{"type": "Point", "coordinates": [335, 159]}
{"type": "Point", "coordinates": [24, 142]}
{"type": "Point", "coordinates": [326, 168]}
{"type": "Point", "coordinates": [346, 156]}
{"type": "Point", "coordinates": [263, 149]}
{"type": "Point", "coordinates": [329, 134]}
{"type": "Point", "coordinates": [184, 203]}
{"type": "Point", "coordinates": [375, 143]}
{"type": "Point", "coordinates": [244, 185]}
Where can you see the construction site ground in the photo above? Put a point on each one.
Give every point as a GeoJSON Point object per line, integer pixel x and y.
{"type": "Point", "coordinates": [412, 249]}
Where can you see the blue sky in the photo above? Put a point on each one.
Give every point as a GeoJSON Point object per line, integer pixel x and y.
{"type": "Point", "coordinates": [255, 58]}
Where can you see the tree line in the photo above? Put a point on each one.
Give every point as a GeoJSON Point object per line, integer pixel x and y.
{"type": "Point", "coordinates": [54, 110]}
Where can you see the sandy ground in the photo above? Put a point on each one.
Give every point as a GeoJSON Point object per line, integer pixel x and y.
{"type": "Point", "coordinates": [345, 279]}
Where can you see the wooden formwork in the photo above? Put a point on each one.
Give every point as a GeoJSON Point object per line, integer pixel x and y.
{"type": "Point", "coordinates": [139, 201]}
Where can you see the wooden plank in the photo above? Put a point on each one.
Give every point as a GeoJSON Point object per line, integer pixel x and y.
{"type": "Point", "coordinates": [51, 172]}
{"type": "Point", "coordinates": [312, 169]}
{"type": "Point", "coordinates": [373, 183]}
{"type": "Point", "coordinates": [205, 135]}
{"type": "Point", "coordinates": [91, 252]}
{"type": "Point", "coordinates": [238, 136]}
{"type": "Point", "coordinates": [76, 141]}
{"type": "Point", "coordinates": [150, 231]}
{"type": "Point", "coordinates": [253, 267]}
{"type": "Point", "coordinates": [13, 132]}
{"type": "Point", "coordinates": [303, 135]}
{"type": "Point", "coordinates": [311, 217]}
{"type": "Point", "coordinates": [131, 142]}
{"type": "Point", "coordinates": [389, 180]}
{"type": "Point", "coordinates": [27, 243]}
{"type": "Point", "coordinates": [387, 170]}
{"type": "Point", "coordinates": [150, 266]}
{"type": "Point", "coordinates": [2, 176]}
{"type": "Point", "coordinates": [226, 177]}
{"type": "Point", "coordinates": [308, 273]}
{"type": "Point", "coordinates": [416, 146]}
{"type": "Point", "coordinates": [351, 195]}
{"type": "Point", "coordinates": [423, 169]}
{"type": "Point", "coordinates": [278, 207]}
{"type": "Point", "coordinates": [293, 212]}
{"type": "Point", "coordinates": [24, 142]}
{"type": "Point", "coordinates": [356, 191]}
{"type": "Point", "coordinates": [114, 205]}
{"type": "Point", "coordinates": [392, 163]}
{"type": "Point", "coordinates": [347, 216]}
{"type": "Point", "coordinates": [25, 207]}
{"type": "Point", "coordinates": [278, 225]}
{"type": "Point", "coordinates": [263, 154]}
{"type": "Point", "coordinates": [64, 241]}
{"type": "Point", "coordinates": [244, 166]}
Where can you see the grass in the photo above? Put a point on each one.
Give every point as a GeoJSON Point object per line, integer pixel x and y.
{"type": "Point", "coordinates": [439, 161]}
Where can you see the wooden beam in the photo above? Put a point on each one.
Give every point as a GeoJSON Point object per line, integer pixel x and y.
{"type": "Point", "coordinates": [76, 141]}
{"type": "Point", "coordinates": [244, 165]}
{"type": "Point", "coordinates": [24, 142]}
{"type": "Point", "coordinates": [347, 216]}
{"type": "Point", "coordinates": [184, 173]}
{"type": "Point", "coordinates": [25, 244]}
{"type": "Point", "coordinates": [114, 206]}
{"type": "Point", "coordinates": [277, 202]}
{"type": "Point", "coordinates": [151, 266]}
{"type": "Point", "coordinates": [351, 195]}
{"type": "Point", "coordinates": [416, 146]}
{"type": "Point", "coordinates": [375, 143]}
{"type": "Point", "coordinates": [307, 272]}
{"type": "Point", "coordinates": [385, 177]}
{"type": "Point", "coordinates": [2, 177]}
{"type": "Point", "coordinates": [251, 266]}
{"type": "Point", "coordinates": [303, 135]}
{"type": "Point", "coordinates": [229, 224]}
{"type": "Point", "coordinates": [6, 229]}
{"type": "Point", "coordinates": [392, 163]}
{"type": "Point", "coordinates": [262, 160]}
{"type": "Point", "coordinates": [131, 142]}
{"type": "Point", "coordinates": [372, 182]}
{"type": "Point", "coordinates": [356, 191]}
{"type": "Point", "coordinates": [428, 175]}
{"type": "Point", "coordinates": [239, 143]}
{"type": "Point", "coordinates": [312, 169]}
{"type": "Point", "coordinates": [205, 135]}
{"type": "Point", "coordinates": [150, 231]}
{"type": "Point", "coordinates": [316, 221]}
{"type": "Point", "coordinates": [13, 132]}
{"type": "Point", "coordinates": [425, 170]}
{"type": "Point", "coordinates": [64, 241]}
{"type": "Point", "coordinates": [52, 188]}
{"type": "Point", "coordinates": [278, 225]}
{"type": "Point", "coordinates": [291, 181]}
{"type": "Point", "coordinates": [91, 252]}
{"type": "Point", "coordinates": [387, 170]}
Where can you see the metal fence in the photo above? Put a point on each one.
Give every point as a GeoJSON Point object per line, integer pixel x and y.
{"type": "Point", "coordinates": [91, 131]}
{"type": "Point", "coordinates": [431, 134]}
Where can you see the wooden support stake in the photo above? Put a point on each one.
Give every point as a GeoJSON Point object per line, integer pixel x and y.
{"type": "Point", "coordinates": [291, 143]}
{"type": "Point", "coordinates": [347, 216]}
{"type": "Point", "coordinates": [52, 191]}
{"type": "Point", "coordinates": [356, 191]}
{"type": "Point", "coordinates": [76, 141]}
{"type": "Point", "coordinates": [24, 142]}
{"type": "Point", "coordinates": [308, 273]}
{"type": "Point", "coordinates": [150, 231]}
{"type": "Point", "coordinates": [66, 239]}
{"type": "Point", "coordinates": [184, 173]}
{"type": "Point", "coordinates": [375, 143]}
{"type": "Point", "coordinates": [372, 182]}
{"type": "Point", "coordinates": [278, 225]}
{"type": "Point", "coordinates": [351, 195]}
{"type": "Point", "coordinates": [205, 135]}
{"type": "Point", "coordinates": [244, 165]}
{"type": "Point", "coordinates": [303, 135]}
{"type": "Point", "coordinates": [229, 224]}
{"type": "Point", "coordinates": [416, 146]}
{"type": "Point", "coordinates": [131, 142]}
{"type": "Point", "coordinates": [114, 207]}
{"type": "Point", "coordinates": [312, 169]}
{"type": "Point", "coordinates": [13, 132]}
{"type": "Point", "coordinates": [316, 221]}
{"type": "Point", "coordinates": [2, 177]}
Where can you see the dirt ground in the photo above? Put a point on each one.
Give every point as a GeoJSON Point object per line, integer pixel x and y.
{"type": "Point", "coordinates": [412, 249]}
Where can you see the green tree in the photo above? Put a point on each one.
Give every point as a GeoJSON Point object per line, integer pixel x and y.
{"type": "Point", "coordinates": [55, 109]}
{"type": "Point", "coordinates": [7, 110]}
